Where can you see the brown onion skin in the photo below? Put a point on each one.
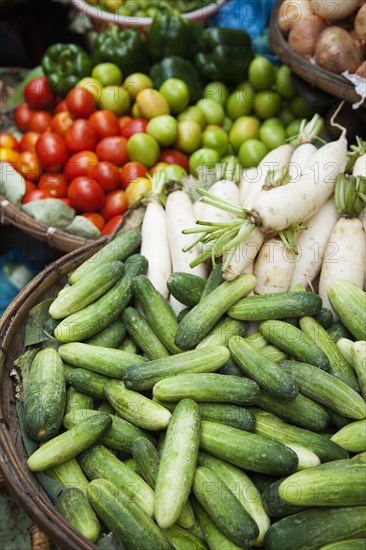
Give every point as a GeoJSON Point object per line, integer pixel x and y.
{"type": "Point", "coordinates": [334, 10]}
{"type": "Point", "coordinates": [360, 23]}
{"type": "Point", "coordinates": [304, 35]}
{"type": "Point", "coordinates": [336, 51]}
{"type": "Point", "coordinates": [361, 71]}
{"type": "Point", "coordinates": [291, 12]}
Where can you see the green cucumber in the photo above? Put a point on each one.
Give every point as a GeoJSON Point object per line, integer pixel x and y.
{"type": "Point", "coordinates": [349, 303]}
{"type": "Point", "coordinates": [178, 462]}
{"type": "Point", "coordinates": [267, 374]}
{"type": "Point", "coordinates": [359, 363]}
{"type": "Point", "coordinates": [350, 544]}
{"type": "Point", "coordinates": [247, 450]}
{"type": "Point", "coordinates": [337, 331]}
{"type": "Point", "coordinates": [224, 508]}
{"type": "Point", "coordinates": [257, 340]}
{"type": "Point", "coordinates": [352, 437]}
{"type": "Point", "coordinates": [111, 336]}
{"type": "Point", "coordinates": [221, 333]}
{"type": "Point", "coordinates": [294, 342]}
{"type": "Point", "coordinates": [68, 369]}
{"type": "Point", "coordinates": [131, 463]}
{"type": "Point", "coordinates": [97, 316]}
{"type": "Point", "coordinates": [69, 474]}
{"type": "Point", "coordinates": [306, 457]}
{"type": "Point", "coordinates": [143, 335]}
{"type": "Point", "coordinates": [69, 444]}
{"type": "Point", "coordinates": [119, 249]}
{"type": "Point", "coordinates": [338, 420]}
{"type": "Point", "coordinates": [262, 481]}
{"type": "Point", "coordinates": [231, 368]}
{"type": "Point", "coordinates": [276, 306]}
{"type": "Point", "coordinates": [136, 529]}
{"type": "Point", "coordinates": [129, 346]}
{"type": "Point", "coordinates": [186, 287]}
{"type": "Point", "coordinates": [136, 408]}
{"type": "Point", "coordinates": [99, 463]}
{"type": "Point", "coordinates": [324, 317]}
{"type": "Point", "coordinates": [338, 366]}
{"type": "Point", "coordinates": [216, 540]}
{"type": "Point", "coordinates": [91, 287]}
{"type": "Point", "coordinates": [157, 311]}
{"type": "Point", "coordinates": [311, 529]}
{"type": "Point", "coordinates": [301, 411]}
{"type": "Point", "coordinates": [215, 279]}
{"type": "Point", "coordinates": [183, 540]}
{"type": "Point", "coordinates": [76, 400]}
{"type": "Point", "coordinates": [74, 506]}
{"type": "Point", "coordinates": [360, 457]}
{"type": "Point", "coordinates": [200, 320]}
{"type": "Point", "coordinates": [326, 389]}
{"type": "Point", "coordinates": [145, 376]}
{"type": "Point", "coordinates": [45, 396]}
{"type": "Point", "coordinates": [223, 413]}
{"type": "Point", "coordinates": [182, 313]}
{"type": "Point", "coordinates": [105, 407]}
{"type": "Point", "coordinates": [273, 353]}
{"type": "Point", "coordinates": [88, 382]}
{"type": "Point", "coordinates": [107, 361]}
{"type": "Point", "coordinates": [345, 347]}
{"type": "Point", "coordinates": [212, 388]}
{"type": "Point", "coordinates": [274, 505]}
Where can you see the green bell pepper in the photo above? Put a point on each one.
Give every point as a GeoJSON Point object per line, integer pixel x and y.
{"type": "Point", "coordinates": [177, 67]}
{"type": "Point", "coordinates": [124, 48]}
{"type": "Point", "coordinates": [172, 35]}
{"type": "Point", "coordinates": [64, 65]}
{"type": "Point", "coordinates": [225, 55]}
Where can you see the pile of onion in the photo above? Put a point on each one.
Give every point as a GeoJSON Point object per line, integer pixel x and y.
{"type": "Point", "coordinates": [304, 35]}
{"type": "Point", "coordinates": [337, 52]}
{"type": "Point", "coordinates": [292, 12]}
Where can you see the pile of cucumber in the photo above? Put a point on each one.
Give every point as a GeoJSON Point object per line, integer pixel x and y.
{"type": "Point", "coordinates": [188, 433]}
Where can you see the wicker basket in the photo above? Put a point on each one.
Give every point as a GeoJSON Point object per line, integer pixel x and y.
{"type": "Point", "coordinates": [327, 81]}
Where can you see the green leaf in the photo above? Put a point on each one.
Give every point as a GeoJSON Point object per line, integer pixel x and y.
{"type": "Point", "coordinates": [17, 96]}
{"type": "Point", "coordinates": [38, 322]}
{"type": "Point", "coordinates": [23, 364]}
{"type": "Point", "coordinates": [52, 212]}
{"type": "Point", "coordinates": [12, 184]}
{"type": "Point", "coordinates": [84, 228]}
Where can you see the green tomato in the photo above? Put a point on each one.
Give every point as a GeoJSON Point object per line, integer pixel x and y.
{"type": "Point", "coordinates": [189, 135]}
{"type": "Point", "coordinates": [300, 108]}
{"type": "Point", "coordinates": [216, 91]}
{"type": "Point", "coordinates": [245, 127]}
{"type": "Point", "coordinates": [176, 92]}
{"type": "Point", "coordinates": [286, 115]}
{"type": "Point", "coordinates": [136, 82]}
{"type": "Point", "coordinates": [115, 99]}
{"type": "Point", "coordinates": [193, 113]}
{"type": "Point", "coordinates": [272, 135]}
{"type": "Point", "coordinates": [164, 129]}
{"type": "Point", "coordinates": [205, 156]}
{"type": "Point", "coordinates": [293, 128]}
{"type": "Point", "coordinates": [240, 101]}
{"type": "Point", "coordinates": [262, 74]}
{"type": "Point", "coordinates": [174, 172]}
{"type": "Point", "coordinates": [232, 167]}
{"type": "Point", "coordinates": [227, 124]}
{"type": "Point", "coordinates": [273, 120]}
{"type": "Point", "coordinates": [214, 137]}
{"type": "Point", "coordinates": [108, 74]}
{"type": "Point", "coordinates": [284, 85]}
{"type": "Point", "coordinates": [212, 111]}
{"type": "Point", "coordinates": [267, 104]}
{"type": "Point", "coordinates": [144, 149]}
{"type": "Point", "coordinates": [251, 152]}
{"type": "Point", "coordinates": [92, 85]}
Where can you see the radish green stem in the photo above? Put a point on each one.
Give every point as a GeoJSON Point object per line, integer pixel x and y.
{"type": "Point", "coordinates": [288, 236]}
{"type": "Point", "coordinates": [308, 131]}
{"type": "Point", "coordinates": [355, 152]}
{"type": "Point", "coordinates": [276, 177]}
{"type": "Point", "coordinates": [350, 198]}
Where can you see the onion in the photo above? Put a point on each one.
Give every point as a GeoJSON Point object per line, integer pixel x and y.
{"type": "Point", "coordinates": [291, 12]}
{"type": "Point", "coordinates": [360, 23]}
{"type": "Point", "coordinates": [361, 71]}
{"type": "Point", "coordinates": [334, 10]}
{"type": "Point", "coordinates": [304, 35]}
{"type": "Point", "coordinates": [336, 51]}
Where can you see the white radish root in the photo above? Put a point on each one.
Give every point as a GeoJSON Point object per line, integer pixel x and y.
{"type": "Point", "coordinates": [247, 181]}
{"type": "Point", "coordinates": [226, 190]}
{"type": "Point", "coordinates": [274, 267]}
{"type": "Point", "coordinates": [359, 168]}
{"type": "Point", "coordinates": [245, 255]}
{"type": "Point", "coordinates": [198, 209]}
{"type": "Point", "coordinates": [300, 159]}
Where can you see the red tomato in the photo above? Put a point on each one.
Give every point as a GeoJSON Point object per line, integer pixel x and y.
{"type": "Point", "coordinates": [130, 171]}
{"type": "Point", "coordinates": [9, 155]}
{"type": "Point", "coordinates": [52, 151]}
{"type": "Point", "coordinates": [22, 116]}
{"type": "Point", "coordinates": [29, 186]}
{"type": "Point", "coordinates": [105, 124]}
{"type": "Point", "coordinates": [123, 120]}
{"type": "Point", "coordinates": [171, 156]}
{"type": "Point", "coordinates": [135, 126]}
{"type": "Point", "coordinates": [39, 94]}
{"type": "Point", "coordinates": [61, 106]}
{"type": "Point", "coordinates": [61, 123]}
{"type": "Point", "coordinates": [106, 174]}
{"type": "Point", "coordinates": [115, 203]}
{"type": "Point", "coordinates": [110, 226]}
{"type": "Point", "coordinates": [95, 218]}
{"type": "Point", "coordinates": [66, 201]}
{"type": "Point", "coordinates": [81, 136]}
{"type": "Point", "coordinates": [29, 166]}
{"type": "Point", "coordinates": [36, 195]}
{"type": "Point", "coordinates": [28, 141]}
{"type": "Point", "coordinates": [113, 149]}
{"type": "Point", "coordinates": [85, 194]}
{"type": "Point", "coordinates": [55, 183]}
{"type": "Point", "coordinates": [8, 141]}
{"type": "Point", "coordinates": [80, 164]}
{"type": "Point", "coordinates": [40, 121]}
{"type": "Point", "coordinates": [80, 102]}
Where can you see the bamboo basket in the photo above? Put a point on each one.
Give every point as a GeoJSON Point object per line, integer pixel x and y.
{"type": "Point", "coordinates": [19, 480]}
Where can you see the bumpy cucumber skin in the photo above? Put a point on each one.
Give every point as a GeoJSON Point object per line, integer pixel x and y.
{"type": "Point", "coordinates": [237, 417]}
{"type": "Point", "coordinates": [186, 287]}
{"type": "Point", "coordinates": [180, 538]}
{"type": "Point", "coordinates": [147, 459]}
{"type": "Point", "coordinates": [110, 337]}
{"type": "Point", "coordinates": [215, 279]}
{"type": "Point", "coordinates": [275, 506]}
{"type": "Point", "coordinates": [74, 506]}
{"type": "Point", "coordinates": [76, 400]}
{"type": "Point", "coordinates": [352, 437]}
{"type": "Point", "coordinates": [88, 382]}
{"type": "Point", "coordinates": [222, 332]}
{"type": "Point", "coordinates": [143, 335]}
{"type": "Point", "coordinates": [216, 540]}
{"type": "Point", "coordinates": [349, 303]}
{"type": "Point", "coordinates": [276, 306]}
{"type": "Point", "coordinates": [69, 474]}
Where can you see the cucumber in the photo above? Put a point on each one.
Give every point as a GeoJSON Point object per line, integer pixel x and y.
{"type": "Point", "coordinates": [224, 508]}
{"type": "Point", "coordinates": [186, 287]}
{"type": "Point", "coordinates": [76, 400]}
{"type": "Point", "coordinates": [311, 529]}
{"type": "Point", "coordinates": [301, 411]}
{"type": "Point", "coordinates": [145, 376]}
{"type": "Point", "coordinates": [68, 369]}
{"type": "Point", "coordinates": [74, 506]}
{"type": "Point", "coordinates": [242, 488]}
{"type": "Point", "coordinates": [157, 311]}
{"type": "Point", "coordinates": [222, 413]}
{"type": "Point", "coordinates": [182, 313]}
{"type": "Point", "coordinates": [136, 529]}
{"type": "Point", "coordinates": [200, 320]}
{"type": "Point", "coordinates": [131, 463]}
{"type": "Point", "coordinates": [45, 396]}
{"type": "Point", "coordinates": [213, 388]}
{"type": "Point", "coordinates": [274, 505]}
{"type": "Point", "coordinates": [262, 481]}
{"type": "Point", "coordinates": [349, 303]}
{"type": "Point", "coordinates": [118, 249]}
{"type": "Point", "coordinates": [269, 425]}
{"type": "Point", "coordinates": [257, 340]}
{"type": "Point", "coordinates": [276, 306]}
{"type": "Point", "coordinates": [352, 437]}
{"type": "Point", "coordinates": [107, 361]}
{"type": "Point", "coordinates": [178, 463]}
{"type": "Point", "coordinates": [69, 444]}
{"type": "Point", "coordinates": [338, 420]}
{"type": "Point", "coordinates": [216, 540]}
{"type": "Point", "coordinates": [360, 457]}
{"type": "Point", "coordinates": [88, 382]}
{"type": "Point", "coordinates": [99, 463]}
{"type": "Point", "coordinates": [294, 342]}
{"type": "Point", "coordinates": [274, 354]}
{"type": "Point", "coordinates": [91, 287]}
{"type": "Point", "coordinates": [267, 374]}
{"type": "Point", "coordinates": [97, 316]}
{"type": "Point", "coordinates": [326, 389]}
{"type": "Point", "coordinates": [69, 474]}
{"type": "Point", "coordinates": [129, 346]}
{"type": "Point", "coordinates": [337, 331]}
{"type": "Point", "coordinates": [136, 408]}
{"type": "Point", "coordinates": [324, 317]}
{"type": "Point", "coordinates": [359, 362]}
{"type": "Point", "coordinates": [345, 347]}
{"type": "Point", "coordinates": [120, 435]}
{"type": "Point", "coordinates": [338, 366]}
{"type": "Point", "coordinates": [183, 540]}
{"type": "Point", "coordinates": [246, 450]}
{"type": "Point", "coordinates": [143, 335]}
{"type": "Point", "coordinates": [350, 544]}
{"type": "Point", "coordinates": [111, 336]}
{"type": "Point", "coordinates": [306, 457]}
{"type": "Point", "coordinates": [215, 279]}
{"type": "Point", "coordinates": [106, 408]}
{"type": "Point", "coordinates": [222, 332]}
{"type": "Point", "coordinates": [231, 368]}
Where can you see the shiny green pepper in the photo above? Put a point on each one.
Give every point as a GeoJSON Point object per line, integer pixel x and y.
{"type": "Point", "coordinates": [64, 65]}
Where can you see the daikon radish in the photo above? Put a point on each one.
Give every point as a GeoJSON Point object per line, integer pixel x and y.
{"type": "Point", "coordinates": [247, 180]}
{"type": "Point", "coordinates": [274, 267]}
{"type": "Point", "coordinates": [198, 209]}
{"type": "Point", "coordinates": [245, 255]}
{"type": "Point", "coordinates": [226, 190]}
{"type": "Point", "coordinates": [359, 167]}
{"type": "Point", "coordinates": [300, 159]}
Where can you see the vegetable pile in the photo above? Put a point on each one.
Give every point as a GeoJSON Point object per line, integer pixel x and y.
{"type": "Point", "coordinates": [149, 8]}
